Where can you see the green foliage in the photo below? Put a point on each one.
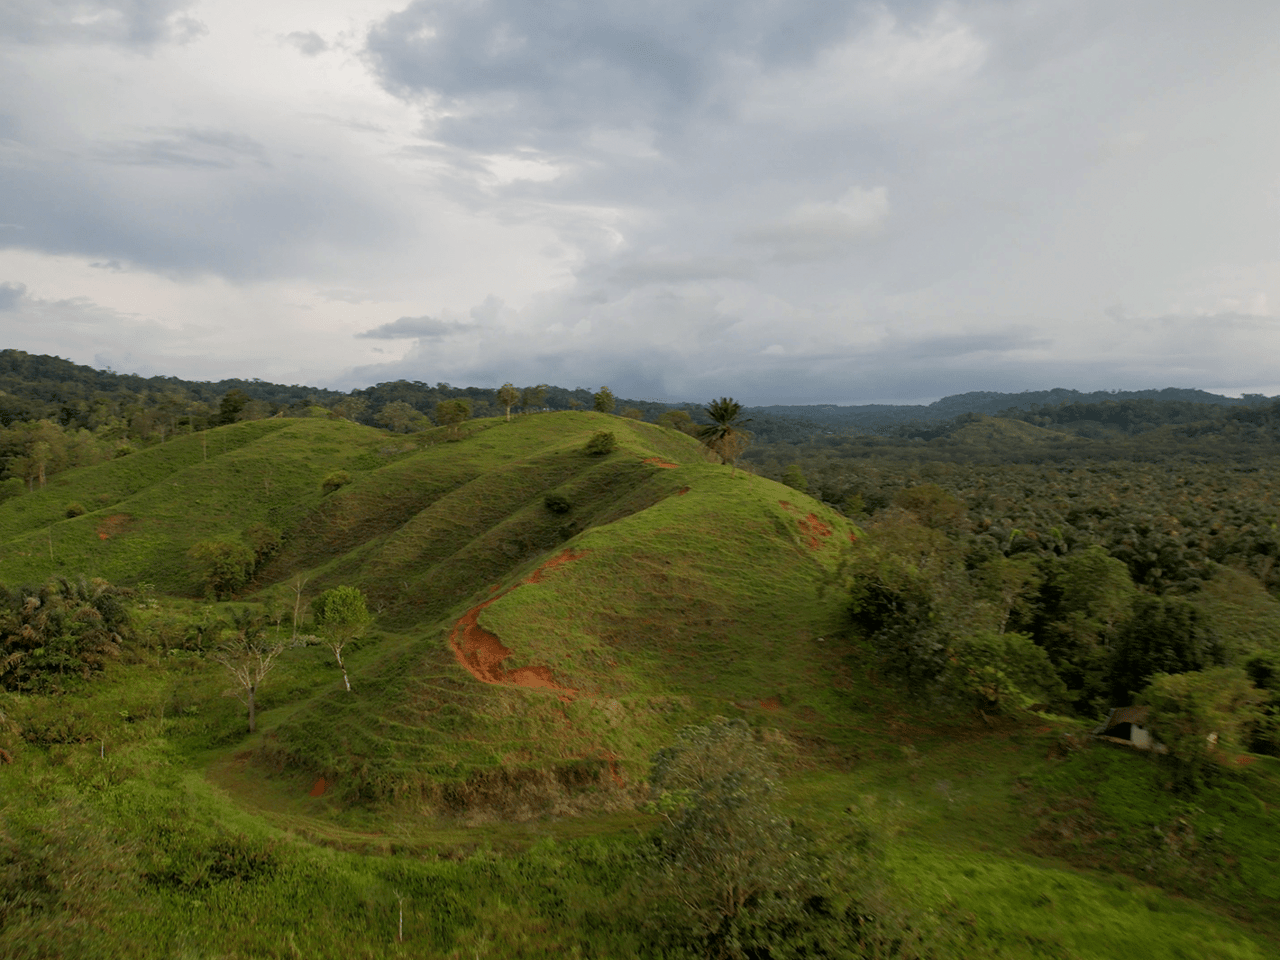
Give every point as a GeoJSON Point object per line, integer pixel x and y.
{"type": "Point", "coordinates": [335, 481]}
{"type": "Point", "coordinates": [222, 566]}
{"type": "Point", "coordinates": [557, 503]}
{"type": "Point", "coordinates": [932, 506]}
{"type": "Point", "coordinates": [533, 397]}
{"type": "Point", "coordinates": [508, 396]}
{"type": "Point", "coordinates": [63, 630]}
{"type": "Point", "coordinates": [725, 436]}
{"type": "Point", "coordinates": [399, 417]}
{"type": "Point", "coordinates": [1004, 672]}
{"type": "Point", "coordinates": [1204, 715]}
{"type": "Point", "coordinates": [341, 611]}
{"type": "Point", "coordinates": [633, 413]}
{"type": "Point", "coordinates": [601, 443]}
{"type": "Point", "coordinates": [603, 401]}
{"type": "Point", "coordinates": [75, 509]}
{"type": "Point", "coordinates": [727, 858]}
{"type": "Point", "coordinates": [794, 478]}
{"type": "Point", "coordinates": [1161, 635]}
{"type": "Point", "coordinates": [10, 488]}
{"type": "Point", "coordinates": [232, 406]}
{"type": "Point", "coordinates": [678, 420]}
{"type": "Point", "coordinates": [452, 414]}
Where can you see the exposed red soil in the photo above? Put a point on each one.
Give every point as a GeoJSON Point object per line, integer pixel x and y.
{"type": "Point", "coordinates": [318, 788]}
{"type": "Point", "coordinates": [481, 653]}
{"type": "Point", "coordinates": [852, 537]}
{"type": "Point", "coordinates": [113, 525]}
{"type": "Point", "coordinates": [659, 462]}
{"type": "Point", "coordinates": [771, 703]}
{"type": "Point", "coordinates": [1244, 761]}
{"type": "Point", "coordinates": [558, 560]}
{"type": "Point", "coordinates": [812, 529]}
{"type": "Point", "coordinates": [682, 491]}
{"type": "Point", "coordinates": [5, 756]}
{"type": "Point", "coordinates": [612, 760]}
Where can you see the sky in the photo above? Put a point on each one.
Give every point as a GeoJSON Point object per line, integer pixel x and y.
{"type": "Point", "coordinates": [782, 201]}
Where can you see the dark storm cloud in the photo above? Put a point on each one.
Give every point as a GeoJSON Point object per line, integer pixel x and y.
{"type": "Point", "coordinates": [539, 72]}
{"type": "Point", "coordinates": [135, 23]}
{"type": "Point", "coordinates": [420, 328]}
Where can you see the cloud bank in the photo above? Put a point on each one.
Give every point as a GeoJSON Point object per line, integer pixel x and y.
{"type": "Point", "coordinates": [815, 201]}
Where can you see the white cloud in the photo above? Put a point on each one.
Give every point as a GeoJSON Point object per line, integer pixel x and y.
{"type": "Point", "coordinates": [813, 231]}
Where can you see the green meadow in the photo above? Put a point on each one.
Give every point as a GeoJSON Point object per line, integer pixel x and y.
{"type": "Point", "coordinates": [462, 803]}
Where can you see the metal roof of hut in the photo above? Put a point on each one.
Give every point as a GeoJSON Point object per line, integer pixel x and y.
{"type": "Point", "coordinates": [1128, 725]}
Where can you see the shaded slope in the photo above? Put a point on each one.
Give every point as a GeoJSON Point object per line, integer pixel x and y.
{"type": "Point", "coordinates": [690, 593]}
{"type": "Point", "coordinates": [148, 509]}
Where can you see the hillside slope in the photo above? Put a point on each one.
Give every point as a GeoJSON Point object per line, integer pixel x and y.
{"type": "Point", "coordinates": [549, 615]}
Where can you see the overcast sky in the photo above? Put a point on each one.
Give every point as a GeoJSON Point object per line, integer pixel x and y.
{"type": "Point", "coordinates": [783, 201]}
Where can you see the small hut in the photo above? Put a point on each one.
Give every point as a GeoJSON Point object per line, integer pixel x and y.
{"type": "Point", "coordinates": [1128, 725]}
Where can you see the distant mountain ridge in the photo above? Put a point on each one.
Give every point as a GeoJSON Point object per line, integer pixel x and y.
{"type": "Point", "coordinates": [41, 386]}
{"type": "Point", "coordinates": [877, 417]}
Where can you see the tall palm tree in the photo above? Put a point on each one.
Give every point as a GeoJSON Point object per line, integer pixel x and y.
{"type": "Point", "coordinates": [724, 436]}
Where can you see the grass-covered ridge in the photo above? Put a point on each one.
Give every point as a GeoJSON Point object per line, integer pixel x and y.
{"type": "Point", "coordinates": [694, 589]}
{"type": "Point", "coordinates": [546, 620]}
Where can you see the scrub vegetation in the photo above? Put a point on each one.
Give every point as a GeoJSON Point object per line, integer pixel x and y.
{"type": "Point", "coordinates": [500, 693]}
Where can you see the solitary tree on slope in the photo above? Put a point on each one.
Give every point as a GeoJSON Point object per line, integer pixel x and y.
{"type": "Point", "coordinates": [341, 615]}
{"type": "Point", "coordinates": [725, 436]}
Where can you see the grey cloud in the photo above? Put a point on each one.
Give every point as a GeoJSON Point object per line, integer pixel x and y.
{"type": "Point", "coordinates": [135, 23]}
{"type": "Point", "coordinates": [308, 43]}
{"type": "Point", "coordinates": [550, 69]}
{"type": "Point", "coordinates": [421, 328]}
{"type": "Point", "coordinates": [644, 270]}
{"type": "Point", "coordinates": [814, 231]}
{"type": "Point", "coordinates": [197, 203]}
{"type": "Point", "coordinates": [10, 294]}
{"type": "Point", "coordinates": [186, 148]}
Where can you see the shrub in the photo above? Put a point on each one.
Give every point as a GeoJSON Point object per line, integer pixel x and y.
{"type": "Point", "coordinates": [223, 566]}
{"type": "Point", "coordinates": [13, 487]}
{"type": "Point", "coordinates": [557, 503]}
{"type": "Point", "coordinates": [75, 509]}
{"type": "Point", "coordinates": [336, 480]}
{"type": "Point", "coordinates": [265, 541]}
{"type": "Point", "coordinates": [601, 443]}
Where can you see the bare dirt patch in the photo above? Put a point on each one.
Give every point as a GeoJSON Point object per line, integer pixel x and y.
{"type": "Point", "coordinates": [813, 530]}
{"type": "Point", "coordinates": [318, 788]}
{"type": "Point", "coordinates": [481, 653]}
{"type": "Point", "coordinates": [771, 703]}
{"type": "Point", "coordinates": [113, 525]}
{"type": "Point", "coordinates": [659, 462]}
{"type": "Point", "coordinates": [558, 560]}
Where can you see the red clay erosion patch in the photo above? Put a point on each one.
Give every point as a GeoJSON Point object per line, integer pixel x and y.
{"type": "Point", "coordinates": [812, 529]}
{"type": "Point", "coordinates": [113, 525]}
{"type": "Point", "coordinates": [318, 788]}
{"type": "Point", "coordinates": [481, 653]}
{"type": "Point", "coordinates": [659, 462]}
{"type": "Point", "coordinates": [771, 703]}
{"type": "Point", "coordinates": [558, 560]}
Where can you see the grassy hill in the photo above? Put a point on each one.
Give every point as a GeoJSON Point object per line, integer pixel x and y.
{"type": "Point", "coordinates": [546, 620]}
{"type": "Point", "coordinates": [688, 589]}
